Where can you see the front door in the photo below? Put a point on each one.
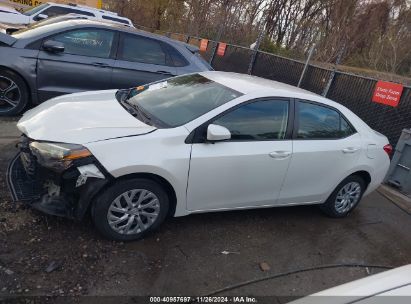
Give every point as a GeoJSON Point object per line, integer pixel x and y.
{"type": "Point", "coordinates": [85, 64]}
{"type": "Point", "coordinates": [249, 169]}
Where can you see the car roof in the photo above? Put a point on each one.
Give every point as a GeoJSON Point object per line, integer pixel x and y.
{"type": "Point", "coordinates": [85, 7]}
{"type": "Point", "coordinates": [246, 83]}
{"type": "Point", "coordinates": [250, 85]}
{"type": "Point", "coordinates": [8, 9]}
{"type": "Point", "coordinates": [123, 28]}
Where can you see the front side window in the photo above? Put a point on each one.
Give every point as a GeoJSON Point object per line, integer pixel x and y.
{"type": "Point", "coordinates": [87, 42]}
{"type": "Point", "coordinates": [257, 121]}
{"type": "Point", "coordinates": [179, 100]}
{"type": "Point", "coordinates": [139, 49]}
{"type": "Point", "coordinates": [318, 122]}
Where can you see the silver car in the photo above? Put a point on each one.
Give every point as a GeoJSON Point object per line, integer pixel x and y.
{"type": "Point", "coordinates": [45, 61]}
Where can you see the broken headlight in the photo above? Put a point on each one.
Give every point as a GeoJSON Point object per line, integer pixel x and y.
{"type": "Point", "coordinates": [57, 156]}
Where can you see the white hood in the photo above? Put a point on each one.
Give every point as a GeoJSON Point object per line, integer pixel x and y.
{"type": "Point", "coordinates": [81, 118]}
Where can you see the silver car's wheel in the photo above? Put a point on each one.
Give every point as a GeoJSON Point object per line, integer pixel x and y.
{"type": "Point", "coordinates": [348, 197]}
{"type": "Point", "coordinates": [133, 212]}
{"type": "Point", "coordinates": [130, 208]}
{"type": "Point", "coordinates": [345, 197]}
{"type": "Point", "coordinates": [10, 94]}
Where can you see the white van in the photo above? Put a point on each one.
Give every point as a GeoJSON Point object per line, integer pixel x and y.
{"type": "Point", "coordinates": [49, 9]}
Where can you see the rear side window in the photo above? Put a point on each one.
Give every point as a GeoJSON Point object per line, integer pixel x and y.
{"type": "Point", "coordinates": [140, 49]}
{"type": "Point", "coordinates": [257, 121]}
{"type": "Point", "coordinates": [87, 42]}
{"type": "Point", "coordinates": [116, 20]}
{"type": "Point", "coordinates": [318, 122]}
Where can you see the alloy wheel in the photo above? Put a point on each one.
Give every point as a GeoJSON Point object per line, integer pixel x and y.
{"type": "Point", "coordinates": [347, 197]}
{"type": "Point", "coordinates": [10, 94]}
{"type": "Point", "coordinates": [133, 212]}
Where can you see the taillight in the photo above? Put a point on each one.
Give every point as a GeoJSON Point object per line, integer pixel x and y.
{"type": "Point", "coordinates": [388, 149]}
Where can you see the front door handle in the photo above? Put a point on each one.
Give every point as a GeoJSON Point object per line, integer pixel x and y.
{"type": "Point", "coordinates": [350, 150]}
{"type": "Point", "coordinates": [280, 154]}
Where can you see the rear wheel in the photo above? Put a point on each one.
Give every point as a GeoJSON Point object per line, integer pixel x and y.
{"type": "Point", "coordinates": [14, 94]}
{"type": "Point", "coordinates": [130, 209]}
{"type": "Point", "coordinates": [345, 197]}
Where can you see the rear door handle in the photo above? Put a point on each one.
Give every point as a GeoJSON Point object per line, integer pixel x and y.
{"type": "Point", "coordinates": [280, 154]}
{"type": "Point", "coordinates": [350, 150]}
{"type": "Point", "coordinates": [165, 73]}
{"type": "Point", "coordinates": [101, 64]}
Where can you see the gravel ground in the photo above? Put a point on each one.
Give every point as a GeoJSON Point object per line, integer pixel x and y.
{"type": "Point", "coordinates": [195, 255]}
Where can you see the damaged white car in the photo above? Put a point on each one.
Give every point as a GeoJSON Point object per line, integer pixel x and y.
{"type": "Point", "coordinates": [202, 142]}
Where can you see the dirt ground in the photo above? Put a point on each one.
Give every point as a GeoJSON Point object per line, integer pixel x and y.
{"type": "Point", "coordinates": [195, 255]}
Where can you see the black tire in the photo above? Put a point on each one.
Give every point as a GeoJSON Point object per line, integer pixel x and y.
{"type": "Point", "coordinates": [330, 207]}
{"type": "Point", "coordinates": [22, 93]}
{"type": "Point", "coordinates": [103, 202]}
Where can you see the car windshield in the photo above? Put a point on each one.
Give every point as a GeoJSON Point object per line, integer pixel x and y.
{"type": "Point", "coordinates": [179, 100]}
{"type": "Point", "coordinates": [34, 10]}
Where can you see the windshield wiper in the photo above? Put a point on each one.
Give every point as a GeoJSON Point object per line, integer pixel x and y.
{"type": "Point", "coordinates": [146, 118]}
{"type": "Point", "coordinates": [123, 97]}
{"type": "Point", "coordinates": [122, 94]}
{"type": "Point", "coordinates": [136, 111]}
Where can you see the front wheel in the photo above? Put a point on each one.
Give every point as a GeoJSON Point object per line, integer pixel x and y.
{"type": "Point", "coordinates": [14, 94]}
{"type": "Point", "coordinates": [345, 197]}
{"type": "Point", "coordinates": [130, 209]}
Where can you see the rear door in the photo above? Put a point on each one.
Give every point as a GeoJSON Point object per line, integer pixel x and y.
{"type": "Point", "coordinates": [140, 60]}
{"type": "Point", "coordinates": [325, 148]}
{"type": "Point", "coordinates": [86, 63]}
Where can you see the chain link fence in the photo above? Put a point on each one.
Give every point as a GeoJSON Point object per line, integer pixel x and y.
{"type": "Point", "coordinates": [353, 91]}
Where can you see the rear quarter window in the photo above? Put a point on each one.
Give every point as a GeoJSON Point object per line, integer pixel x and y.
{"type": "Point", "coordinates": [175, 58]}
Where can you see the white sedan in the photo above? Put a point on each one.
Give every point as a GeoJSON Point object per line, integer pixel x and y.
{"type": "Point", "coordinates": [203, 142]}
{"type": "Point", "coordinates": [392, 286]}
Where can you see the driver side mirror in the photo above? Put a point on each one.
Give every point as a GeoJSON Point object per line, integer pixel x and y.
{"type": "Point", "coordinates": [217, 133]}
{"type": "Point", "coordinates": [40, 17]}
{"type": "Point", "coordinates": [53, 46]}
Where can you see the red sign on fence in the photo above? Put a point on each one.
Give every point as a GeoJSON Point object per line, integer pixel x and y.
{"type": "Point", "coordinates": [203, 45]}
{"type": "Point", "coordinates": [387, 93]}
{"type": "Point", "coordinates": [221, 48]}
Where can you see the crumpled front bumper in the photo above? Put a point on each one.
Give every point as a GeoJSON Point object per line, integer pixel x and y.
{"type": "Point", "coordinates": [67, 194]}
